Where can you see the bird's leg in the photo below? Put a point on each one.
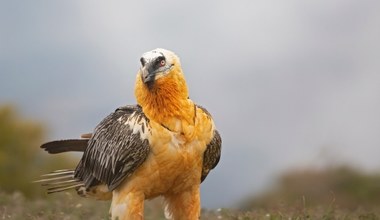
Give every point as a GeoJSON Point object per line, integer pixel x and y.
{"type": "Point", "coordinates": [127, 205]}
{"type": "Point", "coordinates": [184, 205]}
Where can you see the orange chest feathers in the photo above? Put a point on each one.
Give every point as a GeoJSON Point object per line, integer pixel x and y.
{"type": "Point", "coordinates": [176, 158]}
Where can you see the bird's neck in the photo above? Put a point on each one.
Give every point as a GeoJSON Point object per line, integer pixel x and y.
{"type": "Point", "coordinates": [166, 101]}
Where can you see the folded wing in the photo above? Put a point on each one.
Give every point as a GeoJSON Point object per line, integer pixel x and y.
{"type": "Point", "coordinates": [118, 146]}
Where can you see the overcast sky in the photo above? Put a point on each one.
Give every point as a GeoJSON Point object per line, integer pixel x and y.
{"type": "Point", "coordinates": [290, 83]}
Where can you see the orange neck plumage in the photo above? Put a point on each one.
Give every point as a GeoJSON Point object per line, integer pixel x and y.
{"type": "Point", "coordinates": [167, 99]}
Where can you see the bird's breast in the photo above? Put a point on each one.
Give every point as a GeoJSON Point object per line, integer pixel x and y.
{"type": "Point", "coordinates": [175, 161]}
{"type": "Point", "coordinates": [174, 164]}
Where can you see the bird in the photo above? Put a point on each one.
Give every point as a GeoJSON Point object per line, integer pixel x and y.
{"type": "Point", "coordinates": [165, 145]}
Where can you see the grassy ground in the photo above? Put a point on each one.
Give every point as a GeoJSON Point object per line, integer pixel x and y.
{"type": "Point", "coordinates": [68, 206]}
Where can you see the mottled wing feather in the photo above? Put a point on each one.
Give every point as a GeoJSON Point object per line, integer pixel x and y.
{"type": "Point", "coordinates": [211, 155]}
{"type": "Point", "coordinates": [116, 148]}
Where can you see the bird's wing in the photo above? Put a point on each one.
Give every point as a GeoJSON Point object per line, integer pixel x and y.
{"type": "Point", "coordinates": [211, 156]}
{"type": "Point", "coordinates": [118, 146]}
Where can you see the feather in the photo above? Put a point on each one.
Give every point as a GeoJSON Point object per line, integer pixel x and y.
{"type": "Point", "coordinates": [59, 180]}
{"type": "Point", "coordinates": [211, 156]}
{"type": "Point", "coordinates": [59, 146]}
{"type": "Point", "coordinates": [116, 149]}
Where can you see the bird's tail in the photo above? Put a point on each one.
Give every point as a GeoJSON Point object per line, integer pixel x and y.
{"type": "Point", "coordinates": [60, 180]}
{"type": "Point", "coordinates": [60, 146]}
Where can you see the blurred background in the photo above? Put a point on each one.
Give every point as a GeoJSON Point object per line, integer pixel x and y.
{"type": "Point", "coordinates": [294, 87]}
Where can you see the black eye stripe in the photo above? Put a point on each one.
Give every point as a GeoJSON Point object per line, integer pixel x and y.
{"type": "Point", "coordinates": [158, 60]}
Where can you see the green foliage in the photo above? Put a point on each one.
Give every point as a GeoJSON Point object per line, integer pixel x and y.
{"type": "Point", "coordinates": [21, 159]}
{"type": "Point", "coordinates": [341, 187]}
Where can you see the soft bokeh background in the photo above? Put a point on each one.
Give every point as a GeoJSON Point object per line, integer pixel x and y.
{"type": "Point", "coordinates": [289, 83]}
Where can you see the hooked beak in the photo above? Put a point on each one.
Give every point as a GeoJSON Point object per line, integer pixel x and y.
{"type": "Point", "coordinates": [148, 74]}
{"type": "Point", "coordinates": [153, 69]}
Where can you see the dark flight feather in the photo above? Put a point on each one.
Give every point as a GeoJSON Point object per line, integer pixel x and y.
{"type": "Point", "coordinates": [114, 151]}
{"type": "Point", "coordinates": [55, 147]}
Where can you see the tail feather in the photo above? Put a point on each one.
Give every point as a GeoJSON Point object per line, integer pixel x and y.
{"type": "Point", "coordinates": [64, 188]}
{"type": "Point", "coordinates": [59, 173]}
{"type": "Point", "coordinates": [60, 180]}
{"type": "Point", "coordinates": [59, 183]}
{"type": "Point", "coordinates": [59, 146]}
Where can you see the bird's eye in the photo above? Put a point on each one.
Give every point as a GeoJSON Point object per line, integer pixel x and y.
{"type": "Point", "coordinates": [162, 63]}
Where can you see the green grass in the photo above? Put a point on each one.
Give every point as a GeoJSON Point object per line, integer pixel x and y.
{"type": "Point", "coordinates": [63, 206]}
{"type": "Point", "coordinates": [69, 206]}
{"type": "Point", "coordinates": [294, 214]}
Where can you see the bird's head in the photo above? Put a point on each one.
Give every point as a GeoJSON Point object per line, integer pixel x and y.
{"type": "Point", "coordinates": [160, 84]}
{"type": "Point", "coordinates": [157, 64]}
